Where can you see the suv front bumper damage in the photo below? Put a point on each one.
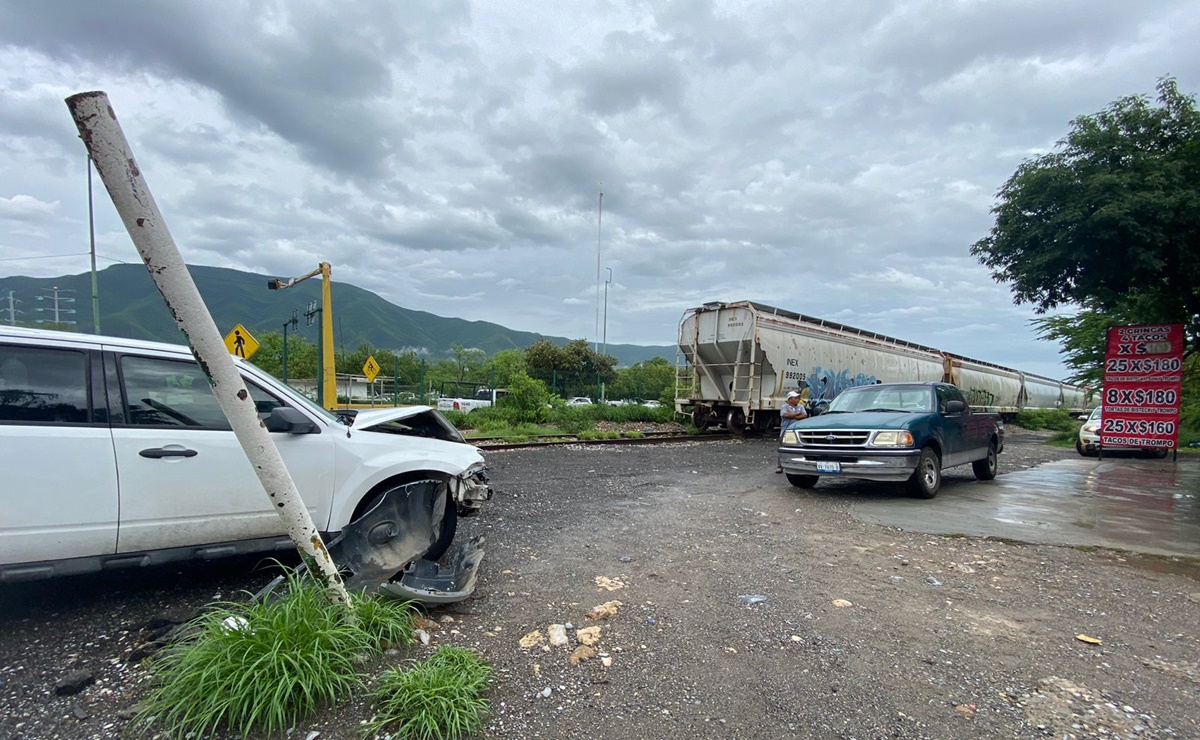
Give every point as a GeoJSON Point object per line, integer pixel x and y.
{"type": "Point", "coordinates": [388, 543]}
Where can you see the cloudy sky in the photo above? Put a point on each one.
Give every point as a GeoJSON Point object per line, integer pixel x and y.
{"type": "Point", "coordinates": [829, 157]}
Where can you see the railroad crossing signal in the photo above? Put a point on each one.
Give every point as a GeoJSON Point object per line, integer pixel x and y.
{"type": "Point", "coordinates": [370, 368]}
{"type": "Point", "coordinates": [240, 343]}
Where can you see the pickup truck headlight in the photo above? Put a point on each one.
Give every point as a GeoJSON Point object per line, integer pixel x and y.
{"type": "Point", "coordinates": [892, 439]}
{"type": "Point", "coordinates": [791, 437]}
{"type": "Point", "coordinates": [1091, 428]}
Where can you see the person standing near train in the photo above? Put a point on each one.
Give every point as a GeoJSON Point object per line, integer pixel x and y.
{"type": "Point", "coordinates": [790, 412]}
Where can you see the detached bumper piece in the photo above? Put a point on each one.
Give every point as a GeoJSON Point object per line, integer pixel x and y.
{"type": "Point", "coordinates": [429, 583]}
{"type": "Point", "coordinates": [397, 530]}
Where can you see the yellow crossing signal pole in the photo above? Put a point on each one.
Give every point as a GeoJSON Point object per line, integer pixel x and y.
{"type": "Point", "coordinates": [327, 388]}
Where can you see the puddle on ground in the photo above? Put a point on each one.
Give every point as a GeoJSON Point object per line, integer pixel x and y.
{"type": "Point", "coordinates": [1187, 567]}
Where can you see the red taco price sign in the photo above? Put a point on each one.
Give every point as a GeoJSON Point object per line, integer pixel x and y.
{"type": "Point", "coordinates": [1143, 379]}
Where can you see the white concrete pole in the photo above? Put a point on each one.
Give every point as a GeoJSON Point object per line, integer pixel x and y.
{"type": "Point", "coordinates": [102, 135]}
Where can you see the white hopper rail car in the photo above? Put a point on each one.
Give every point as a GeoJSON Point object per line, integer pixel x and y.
{"type": "Point", "coordinates": [737, 361]}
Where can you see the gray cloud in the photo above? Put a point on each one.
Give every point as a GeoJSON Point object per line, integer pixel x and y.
{"type": "Point", "coordinates": [835, 159]}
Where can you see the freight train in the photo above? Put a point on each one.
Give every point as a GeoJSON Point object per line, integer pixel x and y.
{"type": "Point", "coordinates": [737, 361]}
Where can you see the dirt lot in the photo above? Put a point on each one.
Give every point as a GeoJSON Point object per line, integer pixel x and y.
{"type": "Point", "coordinates": [748, 609]}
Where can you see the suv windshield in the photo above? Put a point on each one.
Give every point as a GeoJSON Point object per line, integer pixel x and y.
{"type": "Point", "coordinates": [298, 397]}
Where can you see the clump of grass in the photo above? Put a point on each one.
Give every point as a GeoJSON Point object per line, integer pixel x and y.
{"type": "Point", "coordinates": [1056, 420]}
{"type": "Point", "coordinates": [440, 697]}
{"type": "Point", "coordinates": [633, 435]}
{"type": "Point", "coordinates": [263, 666]}
{"type": "Point", "coordinates": [1063, 439]}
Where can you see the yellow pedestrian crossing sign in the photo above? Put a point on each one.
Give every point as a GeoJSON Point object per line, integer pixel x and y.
{"type": "Point", "coordinates": [240, 343]}
{"type": "Point", "coordinates": [370, 369]}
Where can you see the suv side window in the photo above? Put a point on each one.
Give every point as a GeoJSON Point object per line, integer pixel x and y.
{"type": "Point", "coordinates": [41, 385]}
{"type": "Point", "coordinates": [175, 393]}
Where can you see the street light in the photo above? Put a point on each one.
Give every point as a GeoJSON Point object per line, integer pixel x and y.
{"type": "Point", "coordinates": [606, 284]}
{"type": "Point", "coordinates": [603, 394]}
{"type": "Point", "coordinates": [327, 387]}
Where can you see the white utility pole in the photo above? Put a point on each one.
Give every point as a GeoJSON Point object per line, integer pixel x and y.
{"type": "Point", "coordinates": [12, 309]}
{"type": "Point", "coordinates": [599, 219]}
{"type": "Point", "coordinates": [109, 150]}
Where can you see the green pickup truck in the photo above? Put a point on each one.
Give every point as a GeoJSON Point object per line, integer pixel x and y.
{"type": "Point", "coordinates": [901, 432]}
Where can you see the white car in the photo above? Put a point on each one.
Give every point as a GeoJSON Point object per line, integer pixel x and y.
{"type": "Point", "coordinates": [115, 455]}
{"type": "Point", "coordinates": [579, 401]}
{"type": "Point", "coordinates": [1088, 441]}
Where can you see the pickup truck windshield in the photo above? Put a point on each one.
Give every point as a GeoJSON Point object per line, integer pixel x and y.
{"type": "Point", "coordinates": [907, 399]}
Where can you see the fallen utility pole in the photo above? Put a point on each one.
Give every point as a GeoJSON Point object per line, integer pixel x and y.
{"type": "Point", "coordinates": [110, 151]}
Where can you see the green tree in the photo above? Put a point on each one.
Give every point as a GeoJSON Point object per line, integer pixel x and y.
{"type": "Point", "coordinates": [1110, 221]}
{"type": "Point", "coordinates": [506, 364]}
{"type": "Point", "coordinates": [573, 369]}
{"type": "Point", "coordinates": [527, 396]}
{"type": "Point", "coordinates": [645, 380]}
{"type": "Point", "coordinates": [469, 361]}
{"type": "Point", "coordinates": [302, 355]}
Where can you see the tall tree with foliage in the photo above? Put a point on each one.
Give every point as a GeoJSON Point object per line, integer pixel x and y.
{"type": "Point", "coordinates": [573, 369]}
{"type": "Point", "coordinates": [1110, 222]}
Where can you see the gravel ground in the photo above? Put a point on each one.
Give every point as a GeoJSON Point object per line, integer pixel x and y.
{"type": "Point", "coordinates": [748, 609]}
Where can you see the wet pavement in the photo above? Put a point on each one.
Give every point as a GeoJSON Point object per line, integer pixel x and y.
{"type": "Point", "coordinates": [1122, 503]}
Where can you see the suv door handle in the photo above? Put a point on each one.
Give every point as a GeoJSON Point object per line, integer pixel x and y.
{"type": "Point", "coordinates": [157, 452]}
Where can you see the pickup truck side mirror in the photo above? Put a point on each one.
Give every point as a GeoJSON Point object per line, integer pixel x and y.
{"type": "Point", "coordinates": [955, 407]}
{"type": "Point", "coordinates": [290, 421]}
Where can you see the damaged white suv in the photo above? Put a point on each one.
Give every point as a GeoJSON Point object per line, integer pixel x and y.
{"type": "Point", "coordinates": [116, 455]}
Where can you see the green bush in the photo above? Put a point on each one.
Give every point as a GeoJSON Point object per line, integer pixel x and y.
{"type": "Point", "coordinates": [441, 697]}
{"type": "Point", "coordinates": [460, 419]}
{"type": "Point", "coordinates": [1057, 420]}
{"type": "Point", "coordinates": [263, 666]}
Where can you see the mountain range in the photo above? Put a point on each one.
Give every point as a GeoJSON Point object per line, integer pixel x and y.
{"type": "Point", "coordinates": [130, 306]}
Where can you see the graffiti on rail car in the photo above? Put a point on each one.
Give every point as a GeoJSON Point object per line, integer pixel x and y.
{"type": "Point", "coordinates": [825, 384]}
{"type": "Point", "coordinates": [979, 397]}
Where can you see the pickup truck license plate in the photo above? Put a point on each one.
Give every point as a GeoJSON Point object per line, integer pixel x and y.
{"type": "Point", "coordinates": [829, 467]}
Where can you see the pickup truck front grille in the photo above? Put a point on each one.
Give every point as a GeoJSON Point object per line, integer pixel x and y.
{"type": "Point", "coordinates": [835, 437]}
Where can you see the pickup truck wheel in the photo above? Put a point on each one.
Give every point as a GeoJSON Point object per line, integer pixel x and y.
{"type": "Point", "coordinates": [802, 481]}
{"type": "Point", "coordinates": [985, 469]}
{"type": "Point", "coordinates": [927, 478]}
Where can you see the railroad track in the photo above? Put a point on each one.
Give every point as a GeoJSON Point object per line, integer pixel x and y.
{"type": "Point", "coordinates": [496, 443]}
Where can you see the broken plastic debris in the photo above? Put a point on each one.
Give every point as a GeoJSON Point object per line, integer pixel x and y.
{"type": "Point", "coordinates": [533, 638]}
{"type": "Point", "coordinates": [588, 635]}
{"type": "Point", "coordinates": [545, 693]}
{"type": "Point", "coordinates": [932, 581]}
{"type": "Point", "coordinates": [558, 635]}
{"type": "Point", "coordinates": [751, 599]}
{"type": "Point", "coordinates": [1088, 640]}
{"type": "Point", "coordinates": [605, 610]}
{"type": "Point", "coordinates": [423, 636]}
{"type": "Point", "coordinates": [841, 603]}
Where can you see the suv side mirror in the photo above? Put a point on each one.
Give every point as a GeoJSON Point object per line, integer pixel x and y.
{"type": "Point", "coordinates": [955, 407]}
{"type": "Point", "coordinates": [290, 421]}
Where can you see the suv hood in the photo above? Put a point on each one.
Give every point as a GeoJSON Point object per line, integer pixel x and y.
{"type": "Point", "coordinates": [375, 417]}
{"type": "Point", "coordinates": [414, 421]}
